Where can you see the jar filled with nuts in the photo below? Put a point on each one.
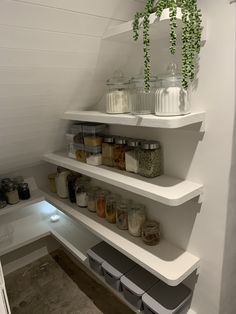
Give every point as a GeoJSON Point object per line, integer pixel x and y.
{"type": "Point", "coordinates": [151, 232]}
{"type": "Point", "coordinates": [150, 159]}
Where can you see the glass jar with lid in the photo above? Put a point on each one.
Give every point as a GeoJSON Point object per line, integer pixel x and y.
{"type": "Point", "coordinates": [142, 102]}
{"type": "Point", "coordinates": [107, 151]}
{"type": "Point", "coordinates": [119, 150]}
{"type": "Point", "coordinates": [150, 159]}
{"type": "Point", "coordinates": [11, 193]}
{"type": "Point", "coordinates": [92, 194]}
{"type": "Point", "coordinates": [118, 96]}
{"type": "Point", "coordinates": [3, 199]}
{"type": "Point", "coordinates": [111, 205]}
{"type": "Point", "coordinates": [136, 219]}
{"type": "Point", "coordinates": [171, 98]}
{"type": "Point", "coordinates": [52, 182]}
{"type": "Point", "coordinates": [71, 182]}
{"type": "Point", "coordinates": [24, 191]}
{"type": "Point", "coordinates": [151, 232]}
{"type": "Point", "coordinates": [93, 155]}
{"type": "Point", "coordinates": [61, 182]}
{"type": "Point", "coordinates": [131, 156]}
{"type": "Point", "coordinates": [122, 211]}
{"type": "Point", "coordinates": [101, 203]}
{"type": "Point", "coordinates": [81, 191]}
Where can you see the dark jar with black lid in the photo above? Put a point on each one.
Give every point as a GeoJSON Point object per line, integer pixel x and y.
{"type": "Point", "coordinates": [23, 190]}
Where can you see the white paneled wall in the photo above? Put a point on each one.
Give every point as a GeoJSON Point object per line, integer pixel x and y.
{"type": "Point", "coordinates": [52, 58]}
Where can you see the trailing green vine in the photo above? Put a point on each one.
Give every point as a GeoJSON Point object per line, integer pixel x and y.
{"type": "Point", "coordinates": [191, 36]}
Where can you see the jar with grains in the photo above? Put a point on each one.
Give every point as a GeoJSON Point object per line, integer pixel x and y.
{"type": "Point", "coordinates": [24, 191]}
{"type": "Point", "coordinates": [92, 133]}
{"type": "Point", "coordinates": [11, 193]}
{"type": "Point", "coordinates": [131, 156]}
{"type": "Point", "coordinates": [81, 192]}
{"type": "Point", "coordinates": [122, 211]}
{"type": "Point", "coordinates": [111, 206]}
{"type": "Point", "coordinates": [150, 159]}
{"type": "Point", "coordinates": [119, 150]}
{"type": "Point", "coordinates": [71, 180]}
{"type": "Point", "coordinates": [107, 151]}
{"type": "Point", "coordinates": [101, 203]}
{"type": "Point", "coordinates": [136, 219]}
{"type": "Point", "coordinates": [3, 199]}
{"type": "Point", "coordinates": [151, 232]}
{"type": "Point", "coordinates": [52, 182]}
{"type": "Point", "coordinates": [61, 182]}
{"type": "Point", "coordinates": [92, 194]}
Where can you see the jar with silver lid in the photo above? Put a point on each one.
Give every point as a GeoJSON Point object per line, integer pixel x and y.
{"type": "Point", "coordinates": [131, 156]}
{"type": "Point", "coordinates": [11, 193]}
{"type": "Point", "coordinates": [111, 205]}
{"type": "Point", "coordinates": [107, 151]}
{"type": "Point", "coordinates": [119, 152]}
{"type": "Point", "coordinates": [150, 159]}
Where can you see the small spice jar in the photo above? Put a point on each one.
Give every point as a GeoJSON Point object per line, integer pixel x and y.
{"type": "Point", "coordinates": [131, 156]}
{"type": "Point", "coordinates": [3, 200]}
{"type": "Point", "coordinates": [61, 182]}
{"type": "Point", "coordinates": [101, 203]}
{"type": "Point", "coordinates": [111, 206]}
{"type": "Point", "coordinates": [52, 182]}
{"type": "Point", "coordinates": [107, 151]}
{"type": "Point", "coordinates": [151, 232]}
{"type": "Point", "coordinates": [71, 180]}
{"type": "Point", "coordinates": [11, 193]}
{"type": "Point", "coordinates": [92, 193]}
{"type": "Point", "coordinates": [24, 191]}
{"type": "Point", "coordinates": [81, 192]}
{"type": "Point", "coordinates": [150, 159]}
{"type": "Point", "coordinates": [119, 153]}
{"type": "Point", "coordinates": [122, 210]}
{"type": "Point", "coordinates": [136, 219]}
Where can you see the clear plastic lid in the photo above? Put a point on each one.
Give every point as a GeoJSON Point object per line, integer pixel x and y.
{"type": "Point", "coordinates": [172, 78]}
{"type": "Point", "coordinates": [118, 80]}
{"type": "Point", "coordinates": [94, 128]}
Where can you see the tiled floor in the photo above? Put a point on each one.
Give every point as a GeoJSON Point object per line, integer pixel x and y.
{"type": "Point", "coordinates": [55, 285]}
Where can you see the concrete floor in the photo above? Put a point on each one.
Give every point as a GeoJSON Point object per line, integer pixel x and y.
{"type": "Point", "coordinates": [56, 285]}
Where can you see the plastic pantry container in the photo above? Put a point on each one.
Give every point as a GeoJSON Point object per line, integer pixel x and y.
{"type": "Point", "coordinates": [97, 256]}
{"type": "Point", "coordinates": [107, 151]}
{"type": "Point", "coordinates": [164, 299]}
{"type": "Point", "coordinates": [135, 283]}
{"type": "Point", "coordinates": [115, 266]}
{"type": "Point", "coordinates": [171, 98]}
{"type": "Point", "coordinates": [92, 134]}
{"type": "Point", "coordinates": [118, 97]}
{"type": "Point", "coordinates": [93, 155]}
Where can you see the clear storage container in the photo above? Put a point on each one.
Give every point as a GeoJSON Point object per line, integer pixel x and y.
{"type": "Point", "coordinates": [93, 155]}
{"type": "Point", "coordinates": [131, 156]}
{"type": "Point", "coordinates": [111, 206]}
{"type": "Point", "coordinates": [81, 191]}
{"type": "Point", "coordinates": [107, 151]}
{"type": "Point", "coordinates": [171, 98]}
{"type": "Point", "coordinates": [142, 102]}
{"type": "Point", "coordinates": [122, 211]}
{"type": "Point", "coordinates": [92, 133]}
{"type": "Point", "coordinates": [151, 232]}
{"type": "Point", "coordinates": [150, 159]}
{"type": "Point", "coordinates": [101, 203]}
{"type": "Point", "coordinates": [118, 96]}
{"type": "Point", "coordinates": [136, 219]}
{"type": "Point", "coordinates": [80, 152]}
{"type": "Point", "coordinates": [119, 150]}
{"type": "Point", "coordinates": [92, 194]}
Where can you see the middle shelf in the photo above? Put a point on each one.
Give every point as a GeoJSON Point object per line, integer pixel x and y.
{"type": "Point", "coordinates": [164, 189]}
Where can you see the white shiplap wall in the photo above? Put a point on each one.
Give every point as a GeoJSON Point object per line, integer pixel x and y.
{"type": "Point", "coordinates": [52, 58]}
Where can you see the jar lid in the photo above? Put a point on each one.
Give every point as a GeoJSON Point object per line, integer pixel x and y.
{"type": "Point", "coordinates": [150, 145]}
{"type": "Point", "coordinates": [118, 79]}
{"type": "Point", "coordinates": [133, 143]}
{"type": "Point", "coordinates": [108, 139]}
{"type": "Point", "coordinates": [121, 140]}
{"type": "Point", "coordinates": [172, 75]}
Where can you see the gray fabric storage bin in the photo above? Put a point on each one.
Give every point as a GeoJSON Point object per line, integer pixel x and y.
{"type": "Point", "coordinates": [114, 267]}
{"type": "Point", "coordinates": [164, 299]}
{"type": "Point", "coordinates": [135, 283]}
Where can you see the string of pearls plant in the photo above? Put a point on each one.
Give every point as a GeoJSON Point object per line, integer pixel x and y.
{"type": "Point", "coordinates": [191, 36]}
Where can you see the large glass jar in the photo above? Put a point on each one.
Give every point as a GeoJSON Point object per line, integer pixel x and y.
{"type": "Point", "coordinates": [150, 159]}
{"type": "Point", "coordinates": [151, 232]}
{"type": "Point", "coordinates": [24, 191]}
{"type": "Point", "coordinates": [118, 97]}
{"type": "Point", "coordinates": [92, 194]}
{"type": "Point", "coordinates": [142, 102]}
{"type": "Point", "coordinates": [61, 182]}
{"type": "Point", "coordinates": [11, 193]}
{"type": "Point", "coordinates": [119, 150]}
{"type": "Point", "coordinates": [92, 133]}
{"type": "Point", "coordinates": [81, 192]}
{"type": "Point", "coordinates": [111, 205]}
{"type": "Point", "coordinates": [107, 151]}
{"type": "Point", "coordinates": [101, 203]}
{"type": "Point", "coordinates": [122, 211]}
{"type": "Point", "coordinates": [71, 181]}
{"type": "Point", "coordinates": [131, 156]}
{"type": "Point", "coordinates": [136, 219]}
{"type": "Point", "coordinates": [171, 98]}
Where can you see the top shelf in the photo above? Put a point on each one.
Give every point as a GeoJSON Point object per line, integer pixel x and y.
{"type": "Point", "coordinates": [159, 28]}
{"type": "Point", "coordinates": [151, 121]}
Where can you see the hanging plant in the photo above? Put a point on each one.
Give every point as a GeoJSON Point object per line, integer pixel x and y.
{"type": "Point", "coordinates": [191, 36]}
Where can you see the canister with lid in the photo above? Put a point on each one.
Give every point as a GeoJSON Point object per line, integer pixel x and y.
{"type": "Point", "coordinates": [151, 232]}
{"type": "Point", "coordinates": [136, 219]}
{"type": "Point", "coordinates": [93, 155]}
{"type": "Point", "coordinates": [131, 156]}
{"type": "Point", "coordinates": [92, 133]}
{"type": "Point", "coordinates": [111, 206]}
{"type": "Point", "coordinates": [61, 182]}
{"type": "Point", "coordinates": [101, 203]}
{"type": "Point", "coordinates": [122, 211]}
{"type": "Point", "coordinates": [107, 151]}
{"type": "Point", "coordinates": [11, 193]}
{"type": "Point", "coordinates": [150, 159]}
{"type": "Point", "coordinates": [119, 152]}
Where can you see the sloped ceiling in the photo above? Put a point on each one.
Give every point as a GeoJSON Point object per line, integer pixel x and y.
{"type": "Point", "coordinates": [52, 57]}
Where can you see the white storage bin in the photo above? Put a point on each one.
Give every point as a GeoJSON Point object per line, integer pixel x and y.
{"type": "Point", "coordinates": [164, 299]}
{"type": "Point", "coordinates": [135, 283]}
{"type": "Point", "coordinates": [115, 266]}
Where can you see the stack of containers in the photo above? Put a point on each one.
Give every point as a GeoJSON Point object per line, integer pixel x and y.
{"type": "Point", "coordinates": [75, 140]}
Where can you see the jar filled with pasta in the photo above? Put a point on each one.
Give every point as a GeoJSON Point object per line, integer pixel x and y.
{"type": "Point", "coordinates": [107, 151]}
{"type": "Point", "coordinates": [119, 152]}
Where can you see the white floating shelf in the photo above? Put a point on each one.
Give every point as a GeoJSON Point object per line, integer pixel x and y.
{"type": "Point", "coordinates": [167, 262]}
{"type": "Point", "coordinates": [167, 190]}
{"type": "Point", "coordinates": [159, 28]}
{"type": "Point", "coordinates": [150, 121]}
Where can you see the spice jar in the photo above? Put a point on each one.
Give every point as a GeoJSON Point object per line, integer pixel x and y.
{"type": "Point", "coordinates": [142, 102]}
{"type": "Point", "coordinates": [131, 156]}
{"type": "Point", "coordinates": [92, 134]}
{"type": "Point", "coordinates": [136, 219]}
{"type": "Point", "coordinates": [119, 153]}
{"type": "Point", "coordinates": [118, 97]}
{"type": "Point", "coordinates": [107, 151]}
{"type": "Point", "coordinates": [150, 159]}
{"type": "Point", "coordinates": [81, 192]}
{"type": "Point", "coordinates": [61, 182]}
{"type": "Point", "coordinates": [151, 232]}
{"type": "Point", "coordinates": [111, 205]}
{"type": "Point", "coordinates": [3, 200]}
{"type": "Point", "coordinates": [93, 155]}
{"type": "Point", "coordinates": [71, 180]}
{"type": "Point", "coordinates": [11, 193]}
{"type": "Point", "coordinates": [92, 193]}
{"type": "Point", "coordinates": [122, 210]}
{"type": "Point", "coordinates": [171, 98]}
{"type": "Point", "coordinates": [101, 203]}
{"type": "Point", "coordinates": [24, 191]}
{"type": "Point", "coordinates": [52, 182]}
